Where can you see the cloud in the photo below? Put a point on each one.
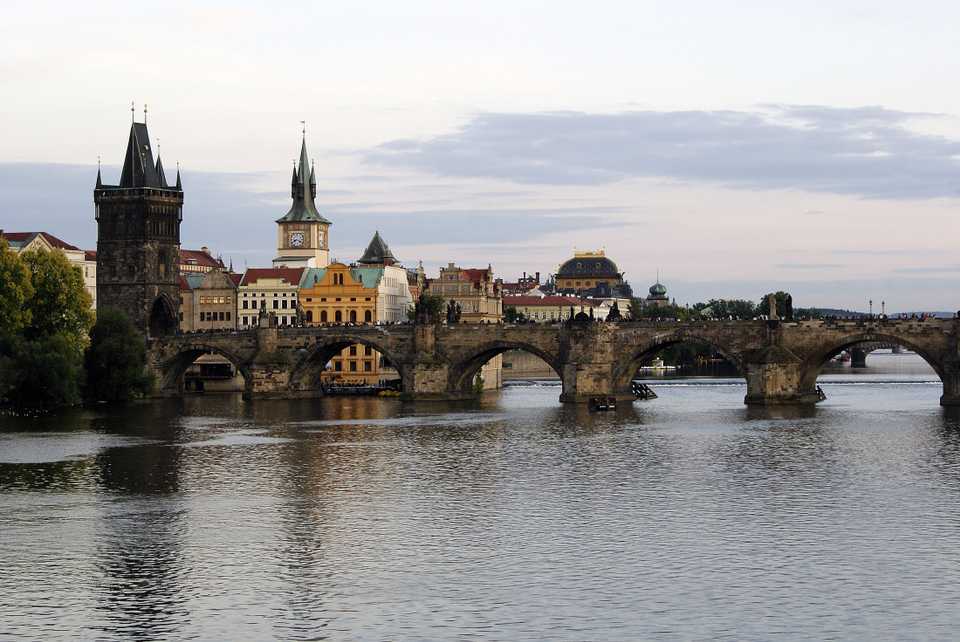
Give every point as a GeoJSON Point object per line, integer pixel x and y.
{"type": "Point", "coordinates": [221, 212]}
{"type": "Point", "coordinates": [810, 266]}
{"type": "Point", "coordinates": [866, 151]}
{"type": "Point", "coordinates": [929, 270]}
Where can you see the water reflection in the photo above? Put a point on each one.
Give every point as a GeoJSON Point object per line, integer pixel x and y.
{"type": "Point", "coordinates": [511, 517]}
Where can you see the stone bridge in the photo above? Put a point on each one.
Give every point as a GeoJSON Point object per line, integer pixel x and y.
{"type": "Point", "coordinates": [780, 360]}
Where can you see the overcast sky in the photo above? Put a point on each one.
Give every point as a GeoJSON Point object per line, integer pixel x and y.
{"type": "Point", "coordinates": [736, 147]}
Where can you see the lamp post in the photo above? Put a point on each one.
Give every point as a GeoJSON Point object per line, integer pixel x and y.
{"type": "Point", "coordinates": [871, 308]}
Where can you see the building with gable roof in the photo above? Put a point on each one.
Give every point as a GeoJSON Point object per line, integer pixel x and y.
{"type": "Point", "coordinates": [303, 233]}
{"type": "Point", "coordinates": [270, 289]}
{"type": "Point", "coordinates": [208, 301]}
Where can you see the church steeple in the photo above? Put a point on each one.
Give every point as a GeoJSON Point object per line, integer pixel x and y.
{"type": "Point", "coordinates": [303, 192]}
{"type": "Point", "coordinates": [139, 169]}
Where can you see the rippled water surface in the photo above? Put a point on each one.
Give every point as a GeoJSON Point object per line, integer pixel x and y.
{"type": "Point", "coordinates": [687, 517]}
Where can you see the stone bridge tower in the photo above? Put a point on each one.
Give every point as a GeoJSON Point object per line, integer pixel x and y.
{"type": "Point", "coordinates": [138, 239]}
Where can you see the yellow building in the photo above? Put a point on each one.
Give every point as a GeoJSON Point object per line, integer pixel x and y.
{"type": "Point", "coordinates": [375, 290]}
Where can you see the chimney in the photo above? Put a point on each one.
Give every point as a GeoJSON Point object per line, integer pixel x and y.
{"type": "Point", "coordinates": [538, 278]}
{"type": "Point", "coordinates": [205, 250]}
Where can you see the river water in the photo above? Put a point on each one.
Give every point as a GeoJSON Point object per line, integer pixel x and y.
{"type": "Point", "coordinates": [512, 518]}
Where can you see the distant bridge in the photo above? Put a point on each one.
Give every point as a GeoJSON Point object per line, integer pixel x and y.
{"type": "Point", "coordinates": [779, 360]}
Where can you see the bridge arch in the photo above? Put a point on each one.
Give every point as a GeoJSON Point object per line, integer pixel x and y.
{"type": "Point", "coordinates": [817, 359]}
{"type": "Point", "coordinates": [637, 354]}
{"type": "Point", "coordinates": [310, 362]}
{"type": "Point", "coordinates": [173, 368]}
{"type": "Point", "coordinates": [463, 370]}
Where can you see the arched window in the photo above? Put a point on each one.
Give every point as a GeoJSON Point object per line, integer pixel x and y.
{"type": "Point", "coordinates": [323, 316]}
{"type": "Point", "coordinates": [309, 315]}
{"type": "Point", "coordinates": [353, 316]}
{"type": "Point", "coordinates": [338, 316]}
{"type": "Point", "coordinates": [367, 316]}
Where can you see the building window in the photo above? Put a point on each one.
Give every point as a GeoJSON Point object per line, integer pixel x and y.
{"type": "Point", "coordinates": [338, 316]}
{"type": "Point", "coordinates": [367, 351]}
{"type": "Point", "coordinates": [228, 315]}
{"type": "Point", "coordinates": [367, 316]}
{"type": "Point", "coordinates": [353, 366]}
{"type": "Point", "coordinates": [323, 316]}
{"type": "Point", "coordinates": [353, 351]}
{"type": "Point", "coordinates": [245, 304]}
{"type": "Point", "coordinates": [368, 366]}
{"type": "Point", "coordinates": [246, 320]}
{"type": "Point", "coordinates": [276, 303]}
{"type": "Point", "coordinates": [310, 316]}
{"type": "Point", "coordinates": [353, 316]}
{"type": "Point", "coordinates": [284, 303]}
{"type": "Point", "coordinates": [338, 365]}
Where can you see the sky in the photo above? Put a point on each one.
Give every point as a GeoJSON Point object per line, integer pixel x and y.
{"type": "Point", "coordinates": [733, 148]}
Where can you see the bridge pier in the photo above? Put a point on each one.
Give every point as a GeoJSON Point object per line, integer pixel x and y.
{"type": "Point", "coordinates": [775, 377]}
{"type": "Point", "coordinates": [951, 385]}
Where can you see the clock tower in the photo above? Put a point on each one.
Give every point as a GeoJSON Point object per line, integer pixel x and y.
{"type": "Point", "coordinates": [302, 233]}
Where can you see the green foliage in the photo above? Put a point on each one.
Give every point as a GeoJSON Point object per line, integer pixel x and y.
{"type": "Point", "coordinates": [60, 304]}
{"type": "Point", "coordinates": [15, 290]}
{"type": "Point", "coordinates": [737, 309]}
{"type": "Point", "coordinates": [478, 384]}
{"type": "Point", "coordinates": [662, 312]}
{"type": "Point", "coordinates": [435, 305]}
{"type": "Point", "coordinates": [45, 315]}
{"type": "Point", "coordinates": [784, 310]}
{"type": "Point", "coordinates": [40, 374]}
{"type": "Point", "coordinates": [636, 308]}
{"type": "Point", "coordinates": [512, 315]}
{"type": "Point", "coordinates": [114, 362]}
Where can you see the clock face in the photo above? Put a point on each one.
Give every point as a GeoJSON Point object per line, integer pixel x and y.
{"type": "Point", "coordinates": [296, 239]}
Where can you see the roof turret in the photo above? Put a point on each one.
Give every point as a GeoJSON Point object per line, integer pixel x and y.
{"type": "Point", "coordinates": [377, 253]}
{"type": "Point", "coordinates": [160, 174]}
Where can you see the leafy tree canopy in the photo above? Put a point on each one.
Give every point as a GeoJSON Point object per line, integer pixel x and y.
{"type": "Point", "coordinates": [16, 289]}
{"type": "Point", "coordinates": [115, 360]}
{"type": "Point", "coordinates": [60, 304]}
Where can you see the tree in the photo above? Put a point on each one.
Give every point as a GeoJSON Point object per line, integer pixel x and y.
{"type": "Point", "coordinates": [40, 374]}
{"type": "Point", "coordinates": [41, 347]}
{"type": "Point", "coordinates": [636, 308]}
{"type": "Point", "coordinates": [784, 305]}
{"type": "Point", "coordinates": [60, 304]}
{"type": "Point", "coordinates": [513, 315]}
{"type": "Point", "coordinates": [114, 362]}
{"type": "Point", "coordinates": [15, 290]}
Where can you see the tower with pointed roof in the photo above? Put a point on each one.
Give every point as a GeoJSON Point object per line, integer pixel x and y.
{"type": "Point", "coordinates": [138, 239]}
{"type": "Point", "coordinates": [302, 233]}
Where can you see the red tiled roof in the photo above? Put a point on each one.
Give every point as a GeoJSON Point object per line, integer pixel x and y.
{"type": "Point", "coordinates": [25, 237]}
{"type": "Point", "coordinates": [476, 274]}
{"type": "Point", "coordinates": [199, 257]}
{"type": "Point", "coordinates": [236, 278]}
{"type": "Point", "coordinates": [548, 301]}
{"type": "Point", "coordinates": [89, 255]}
{"type": "Point", "coordinates": [184, 285]}
{"type": "Point", "coordinates": [290, 275]}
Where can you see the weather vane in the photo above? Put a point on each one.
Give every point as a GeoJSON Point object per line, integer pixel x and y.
{"type": "Point", "coordinates": [304, 128]}
{"type": "Point", "coordinates": [133, 109]}
{"type": "Point", "coordinates": [144, 113]}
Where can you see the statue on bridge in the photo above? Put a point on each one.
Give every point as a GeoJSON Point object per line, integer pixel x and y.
{"type": "Point", "coordinates": [614, 314]}
{"type": "Point", "coordinates": [453, 312]}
